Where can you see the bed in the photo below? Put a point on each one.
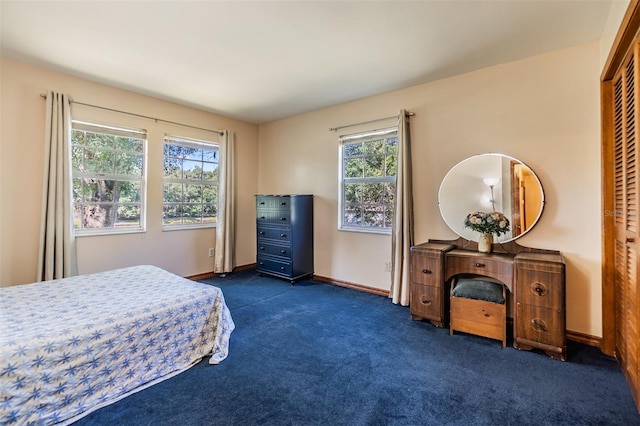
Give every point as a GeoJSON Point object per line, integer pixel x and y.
{"type": "Point", "coordinates": [70, 346]}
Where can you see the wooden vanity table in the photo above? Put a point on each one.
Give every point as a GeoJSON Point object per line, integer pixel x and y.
{"type": "Point", "coordinates": [535, 279]}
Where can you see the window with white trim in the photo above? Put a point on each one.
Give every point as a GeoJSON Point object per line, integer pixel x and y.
{"type": "Point", "coordinates": [368, 164]}
{"type": "Point", "coordinates": [108, 171]}
{"type": "Point", "coordinates": [190, 189]}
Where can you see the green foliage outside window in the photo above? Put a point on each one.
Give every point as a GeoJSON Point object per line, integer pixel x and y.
{"type": "Point", "coordinates": [368, 185]}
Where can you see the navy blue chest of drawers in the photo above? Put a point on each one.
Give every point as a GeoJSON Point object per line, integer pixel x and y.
{"type": "Point", "coordinates": [285, 236]}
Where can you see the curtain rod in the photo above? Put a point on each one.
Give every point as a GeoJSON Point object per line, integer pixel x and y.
{"type": "Point", "coordinates": [42, 95]}
{"type": "Point", "coordinates": [334, 129]}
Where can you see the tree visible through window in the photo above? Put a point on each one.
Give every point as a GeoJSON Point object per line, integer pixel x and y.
{"type": "Point", "coordinates": [368, 168]}
{"type": "Point", "coordinates": [190, 183]}
{"type": "Point", "coordinates": [108, 177]}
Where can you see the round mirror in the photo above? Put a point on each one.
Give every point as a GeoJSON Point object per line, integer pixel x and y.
{"type": "Point", "coordinates": [491, 183]}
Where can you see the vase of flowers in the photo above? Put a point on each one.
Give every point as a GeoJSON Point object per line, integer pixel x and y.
{"type": "Point", "coordinates": [488, 225]}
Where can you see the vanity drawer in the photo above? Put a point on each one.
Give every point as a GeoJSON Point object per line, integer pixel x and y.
{"type": "Point", "coordinates": [538, 288]}
{"type": "Point", "coordinates": [539, 326]}
{"type": "Point", "coordinates": [499, 267]}
{"type": "Point", "coordinates": [425, 270]}
{"type": "Point", "coordinates": [426, 302]}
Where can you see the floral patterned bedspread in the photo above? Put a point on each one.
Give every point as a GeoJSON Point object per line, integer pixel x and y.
{"type": "Point", "coordinates": [70, 346]}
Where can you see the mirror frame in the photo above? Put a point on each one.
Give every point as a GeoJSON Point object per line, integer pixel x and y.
{"type": "Point", "coordinates": [477, 180]}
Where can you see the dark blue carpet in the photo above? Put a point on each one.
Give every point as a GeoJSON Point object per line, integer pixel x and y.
{"type": "Point", "coordinates": [317, 354]}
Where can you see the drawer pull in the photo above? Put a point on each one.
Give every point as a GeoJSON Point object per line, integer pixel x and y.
{"type": "Point", "coordinates": [261, 263]}
{"type": "Point", "coordinates": [282, 268]}
{"type": "Point", "coordinates": [262, 203]}
{"type": "Point", "coordinates": [261, 217]}
{"type": "Point", "coordinates": [283, 236]}
{"type": "Point", "coordinates": [261, 232]}
{"type": "Point", "coordinates": [283, 204]}
{"type": "Point", "coordinates": [283, 251]}
{"type": "Point", "coordinates": [539, 289]}
{"type": "Point", "coordinates": [538, 324]}
{"type": "Point", "coordinates": [480, 265]}
{"type": "Point", "coordinates": [425, 301]}
{"type": "Point", "coordinates": [261, 248]}
{"type": "Point", "coordinates": [283, 219]}
{"type": "Point", "coordinates": [426, 271]}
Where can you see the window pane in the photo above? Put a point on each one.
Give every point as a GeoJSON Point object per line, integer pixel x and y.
{"type": "Point", "coordinates": [374, 147]}
{"type": "Point", "coordinates": [392, 145]}
{"type": "Point", "coordinates": [374, 216]}
{"type": "Point", "coordinates": [191, 213]}
{"type": "Point", "coordinates": [372, 193]}
{"type": "Point", "coordinates": [209, 193]}
{"type": "Point", "coordinates": [98, 215]}
{"type": "Point", "coordinates": [128, 215]}
{"type": "Point", "coordinates": [97, 161]}
{"type": "Point", "coordinates": [209, 213]}
{"type": "Point", "coordinates": [352, 149]}
{"type": "Point", "coordinates": [210, 171]}
{"type": "Point", "coordinates": [192, 169]}
{"type": "Point", "coordinates": [193, 193]}
{"type": "Point", "coordinates": [172, 214]}
{"type": "Point", "coordinates": [77, 137]}
{"type": "Point", "coordinates": [173, 168]}
{"type": "Point", "coordinates": [388, 216]}
{"type": "Point", "coordinates": [129, 144]}
{"type": "Point", "coordinates": [388, 196]}
{"type": "Point", "coordinates": [128, 164]}
{"type": "Point", "coordinates": [99, 190]}
{"type": "Point", "coordinates": [374, 167]}
{"type": "Point", "coordinates": [128, 191]}
{"type": "Point", "coordinates": [77, 154]}
{"type": "Point", "coordinates": [193, 154]}
{"type": "Point", "coordinates": [172, 193]}
{"type": "Point", "coordinates": [77, 191]}
{"type": "Point", "coordinates": [352, 193]}
{"type": "Point", "coordinates": [352, 215]}
{"type": "Point", "coordinates": [353, 168]}
{"type": "Point", "coordinates": [210, 154]}
{"type": "Point", "coordinates": [100, 140]}
{"type": "Point", "coordinates": [392, 165]}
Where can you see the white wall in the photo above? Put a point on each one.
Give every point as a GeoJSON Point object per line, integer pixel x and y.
{"type": "Point", "coordinates": [543, 110]}
{"type": "Point", "coordinates": [616, 13]}
{"type": "Point", "coordinates": [22, 128]}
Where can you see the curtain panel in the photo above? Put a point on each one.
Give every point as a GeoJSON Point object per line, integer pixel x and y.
{"type": "Point", "coordinates": [56, 253]}
{"type": "Point", "coordinates": [402, 229]}
{"type": "Point", "coordinates": [224, 259]}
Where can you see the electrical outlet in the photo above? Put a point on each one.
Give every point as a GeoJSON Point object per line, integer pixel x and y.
{"type": "Point", "coordinates": [212, 252]}
{"type": "Point", "coordinates": [387, 266]}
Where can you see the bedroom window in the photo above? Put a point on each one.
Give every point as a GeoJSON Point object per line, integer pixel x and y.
{"type": "Point", "coordinates": [190, 183]}
{"type": "Point", "coordinates": [368, 180]}
{"type": "Point", "coordinates": [108, 171]}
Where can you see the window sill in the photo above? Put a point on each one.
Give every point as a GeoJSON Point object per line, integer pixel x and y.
{"type": "Point", "coordinates": [366, 230]}
{"type": "Point", "coordinates": [187, 227]}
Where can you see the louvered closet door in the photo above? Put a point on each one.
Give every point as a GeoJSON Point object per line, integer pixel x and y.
{"type": "Point", "coordinates": [625, 169]}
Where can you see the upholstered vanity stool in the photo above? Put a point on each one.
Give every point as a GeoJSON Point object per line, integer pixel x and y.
{"type": "Point", "coordinates": [479, 306]}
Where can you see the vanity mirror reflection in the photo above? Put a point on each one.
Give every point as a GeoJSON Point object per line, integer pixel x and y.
{"type": "Point", "coordinates": [488, 183]}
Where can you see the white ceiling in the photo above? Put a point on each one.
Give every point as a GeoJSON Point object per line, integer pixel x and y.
{"type": "Point", "coordinates": [260, 61]}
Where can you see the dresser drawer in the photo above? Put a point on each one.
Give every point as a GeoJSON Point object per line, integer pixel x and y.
{"type": "Point", "coordinates": [273, 266]}
{"type": "Point", "coordinates": [540, 326]}
{"type": "Point", "coordinates": [274, 250]}
{"type": "Point", "coordinates": [281, 217]}
{"type": "Point", "coordinates": [499, 267]}
{"type": "Point", "coordinates": [281, 234]}
{"type": "Point", "coordinates": [426, 302]}
{"type": "Point", "coordinates": [270, 202]}
{"type": "Point", "coordinates": [539, 288]}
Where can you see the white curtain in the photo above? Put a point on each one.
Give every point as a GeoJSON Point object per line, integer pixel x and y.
{"type": "Point", "coordinates": [224, 260]}
{"type": "Point", "coordinates": [57, 254]}
{"type": "Point", "coordinates": [402, 229]}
